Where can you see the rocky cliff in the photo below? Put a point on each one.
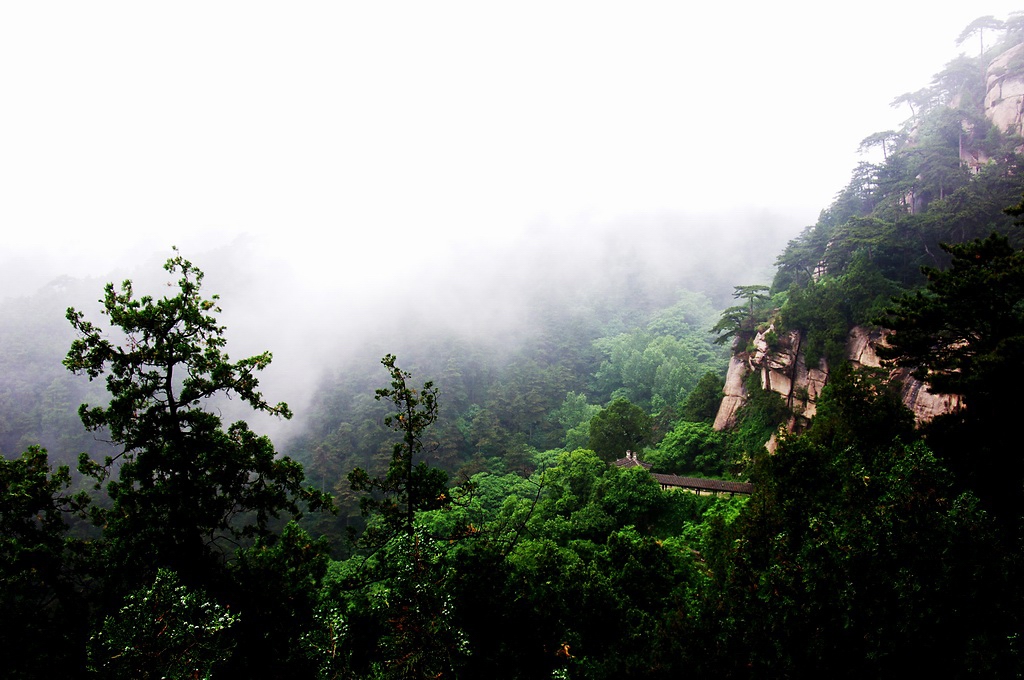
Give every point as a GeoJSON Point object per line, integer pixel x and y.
{"type": "Point", "coordinates": [1004, 91]}
{"type": "Point", "coordinates": [783, 369]}
{"type": "Point", "coordinates": [779, 359]}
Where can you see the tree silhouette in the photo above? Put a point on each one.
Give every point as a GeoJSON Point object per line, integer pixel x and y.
{"type": "Point", "coordinates": [185, 486]}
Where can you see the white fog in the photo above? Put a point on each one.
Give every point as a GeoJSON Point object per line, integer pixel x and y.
{"type": "Point", "coordinates": [325, 163]}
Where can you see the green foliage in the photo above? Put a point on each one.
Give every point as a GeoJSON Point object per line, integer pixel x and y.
{"type": "Point", "coordinates": [408, 485]}
{"type": "Point", "coordinates": [38, 398]}
{"type": "Point", "coordinates": [160, 336]}
{"type": "Point", "coordinates": [844, 525]}
{"type": "Point", "coordinates": [945, 178]}
{"type": "Point", "coordinates": [164, 630]}
{"type": "Point", "coordinates": [659, 365]}
{"type": "Point", "coordinates": [859, 408]}
{"type": "Point", "coordinates": [275, 583]}
{"type": "Point", "coordinates": [691, 449]}
{"type": "Point", "coordinates": [33, 509]}
{"type": "Point", "coordinates": [702, 403]}
{"type": "Point", "coordinates": [826, 311]}
{"type": "Point", "coordinates": [887, 140]}
{"type": "Point", "coordinates": [503, 406]}
{"type": "Point", "coordinates": [323, 645]}
{"type": "Point", "coordinates": [398, 598]}
{"type": "Point", "coordinates": [797, 263]}
{"type": "Point", "coordinates": [960, 334]}
{"type": "Point", "coordinates": [741, 321]}
{"type": "Point", "coordinates": [397, 611]}
{"type": "Point", "coordinates": [41, 611]}
{"type": "Point", "coordinates": [760, 417]}
{"type": "Point", "coordinates": [183, 483]}
{"type": "Point", "coordinates": [620, 427]}
{"type": "Point", "coordinates": [520, 404]}
{"type": "Point", "coordinates": [633, 499]}
{"type": "Point", "coordinates": [654, 370]}
{"type": "Point", "coordinates": [574, 415]}
{"type": "Point", "coordinates": [979, 26]}
{"type": "Point", "coordinates": [831, 570]}
{"type": "Point", "coordinates": [964, 335]}
{"type": "Point", "coordinates": [862, 552]}
{"type": "Point", "coordinates": [586, 590]}
{"type": "Point", "coordinates": [962, 84]}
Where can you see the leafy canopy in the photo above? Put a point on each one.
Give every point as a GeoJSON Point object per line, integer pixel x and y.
{"type": "Point", "coordinates": [962, 333]}
{"type": "Point", "coordinates": [965, 335]}
{"type": "Point", "coordinates": [622, 426]}
{"type": "Point", "coordinates": [741, 321]}
{"type": "Point", "coordinates": [407, 486]}
{"type": "Point", "coordinates": [183, 482]}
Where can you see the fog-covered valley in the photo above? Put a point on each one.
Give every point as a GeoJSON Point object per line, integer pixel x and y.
{"type": "Point", "coordinates": [604, 332]}
{"type": "Point", "coordinates": [436, 169]}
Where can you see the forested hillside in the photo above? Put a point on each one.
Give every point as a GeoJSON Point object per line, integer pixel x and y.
{"type": "Point", "coordinates": [465, 507]}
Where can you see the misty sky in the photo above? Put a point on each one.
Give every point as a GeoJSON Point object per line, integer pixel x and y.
{"type": "Point", "coordinates": [325, 130]}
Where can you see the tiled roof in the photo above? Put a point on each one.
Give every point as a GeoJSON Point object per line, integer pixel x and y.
{"type": "Point", "coordinates": [694, 483]}
{"type": "Point", "coordinates": [632, 462]}
{"type": "Point", "coordinates": [702, 484]}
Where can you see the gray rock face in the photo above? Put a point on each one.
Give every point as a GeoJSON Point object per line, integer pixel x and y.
{"type": "Point", "coordinates": [783, 369]}
{"type": "Point", "coordinates": [734, 391]}
{"type": "Point", "coordinates": [1004, 95]}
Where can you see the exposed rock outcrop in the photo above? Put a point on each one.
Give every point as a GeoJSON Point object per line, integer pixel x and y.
{"type": "Point", "coordinates": [1004, 94]}
{"type": "Point", "coordinates": [783, 368]}
{"type": "Point", "coordinates": [735, 393]}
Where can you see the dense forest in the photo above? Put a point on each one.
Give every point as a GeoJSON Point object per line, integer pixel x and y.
{"type": "Point", "coordinates": [457, 505]}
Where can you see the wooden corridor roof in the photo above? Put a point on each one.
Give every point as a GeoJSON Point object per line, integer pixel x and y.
{"type": "Point", "coordinates": [699, 484]}
{"type": "Point", "coordinates": [696, 484]}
